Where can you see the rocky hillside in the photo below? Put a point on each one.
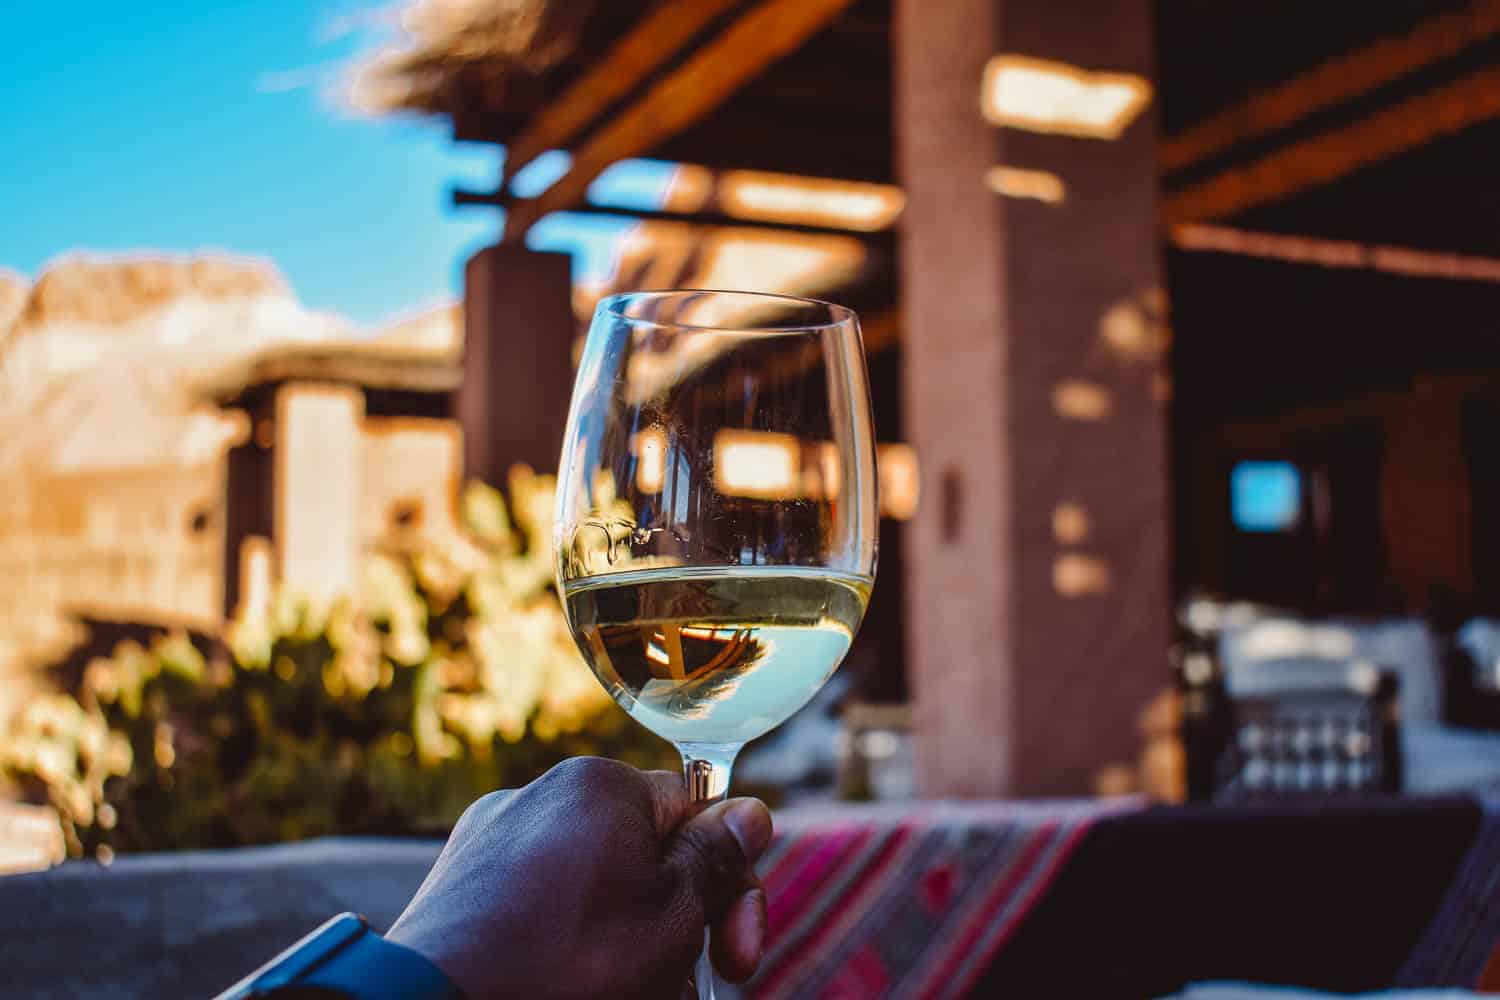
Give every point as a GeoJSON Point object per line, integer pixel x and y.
{"type": "Point", "coordinates": [12, 300]}
{"type": "Point", "coordinates": [105, 362]}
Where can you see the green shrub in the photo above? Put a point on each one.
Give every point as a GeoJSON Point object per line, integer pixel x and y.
{"type": "Point", "coordinates": [450, 674]}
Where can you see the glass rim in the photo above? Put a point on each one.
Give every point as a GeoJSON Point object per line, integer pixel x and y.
{"type": "Point", "coordinates": [839, 316]}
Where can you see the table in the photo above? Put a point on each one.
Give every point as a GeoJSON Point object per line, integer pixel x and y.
{"type": "Point", "coordinates": [1096, 899]}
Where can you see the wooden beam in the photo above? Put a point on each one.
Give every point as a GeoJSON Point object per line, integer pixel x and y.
{"type": "Point", "coordinates": [659, 36]}
{"type": "Point", "coordinates": [1273, 432]}
{"type": "Point", "coordinates": [684, 96]}
{"type": "Point", "coordinates": [855, 149]}
{"type": "Point", "coordinates": [1333, 82]}
{"type": "Point", "coordinates": [1406, 262]}
{"type": "Point", "coordinates": [712, 219]}
{"type": "Point", "coordinates": [1323, 159]}
{"type": "Point", "coordinates": [372, 372]}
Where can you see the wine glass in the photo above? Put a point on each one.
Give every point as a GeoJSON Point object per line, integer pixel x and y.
{"type": "Point", "coordinates": [715, 536]}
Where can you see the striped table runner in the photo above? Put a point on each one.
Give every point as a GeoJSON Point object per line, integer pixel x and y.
{"type": "Point", "coordinates": [908, 899]}
{"type": "Point", "coordinates": [1465, 933]}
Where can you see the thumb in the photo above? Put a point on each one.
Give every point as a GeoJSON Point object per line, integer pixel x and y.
{"type": "Point", "coordinates": [715, 852]}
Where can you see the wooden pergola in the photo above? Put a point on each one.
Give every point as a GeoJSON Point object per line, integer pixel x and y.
{"type": "Point", "coordinates": [1020, 338]}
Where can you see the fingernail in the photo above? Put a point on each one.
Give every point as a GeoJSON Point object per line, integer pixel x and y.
{"type": "Point", "coordinates": [750, 822]}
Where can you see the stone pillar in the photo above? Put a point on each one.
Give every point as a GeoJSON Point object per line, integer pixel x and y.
{"type": "Point", "coordinates": [518, 370]}
{"type": "Point", "coordinates": [318, 483]}
{"type": "Point", "coordinates": [1034, 389]}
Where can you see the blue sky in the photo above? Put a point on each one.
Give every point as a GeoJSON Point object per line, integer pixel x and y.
{"type": "Point", "coordinates": [186, 125]}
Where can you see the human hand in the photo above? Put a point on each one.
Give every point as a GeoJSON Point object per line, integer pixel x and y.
{"type": "Point", "coordinates": [594, 880]}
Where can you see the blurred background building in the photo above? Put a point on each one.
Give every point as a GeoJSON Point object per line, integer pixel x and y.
{"type": "Point", "coordinates": [1168, 301]}
{"type": "Point", "coordinates": [1168, 307]}
{"type": "Point", "coordinates": [136, 506]}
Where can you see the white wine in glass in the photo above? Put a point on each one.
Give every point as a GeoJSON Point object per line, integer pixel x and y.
{"type": "Point", "coordinates": [716, 656]}
{"type": "Point", "coordinates": [716, 514]}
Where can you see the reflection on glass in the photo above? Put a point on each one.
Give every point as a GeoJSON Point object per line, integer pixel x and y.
{"type": "Point", "coordinates": [756, 464]}
{"type": "Point", "coordinates": [650, 450]}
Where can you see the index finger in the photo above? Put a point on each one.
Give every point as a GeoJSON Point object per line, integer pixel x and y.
{"type": "Point", "coordinates": [669, 800]}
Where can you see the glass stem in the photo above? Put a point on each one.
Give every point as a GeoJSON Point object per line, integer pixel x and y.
{"type": "Point", "coordinates": [706, 768]}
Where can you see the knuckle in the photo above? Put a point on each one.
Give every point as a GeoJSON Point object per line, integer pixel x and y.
{"type": "Point", "coordinates": [491, 800]}
{"type": "Point", "coordinates": [572, 767]}
{"type": "Point", "coordinates": [482, 808]}
{"type": "Point", "coordinates": [592, 792]}
{"type": "Point", "coordinates": [588, 770]}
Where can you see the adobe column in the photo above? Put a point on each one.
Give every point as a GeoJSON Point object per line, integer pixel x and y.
{"type": "Point", "coordinates": [518, 370]}
{"type": "Point", "coordinates": [1035, 390]}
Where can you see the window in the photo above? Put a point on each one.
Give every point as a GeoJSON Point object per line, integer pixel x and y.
{"type": "Point", "coordinates": [200, 519]}
{"type": "Point", "coordinates": [1266, 496]}
{"type": "Point", "coordinates": [406, 513]}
